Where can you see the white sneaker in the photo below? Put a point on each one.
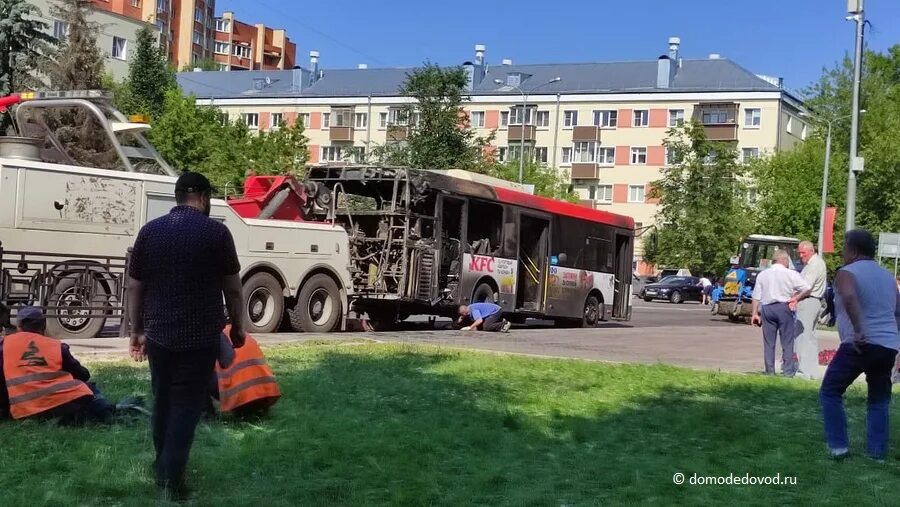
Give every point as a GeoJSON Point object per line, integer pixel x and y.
{"type": "Point", "coordinates": [506, 325]}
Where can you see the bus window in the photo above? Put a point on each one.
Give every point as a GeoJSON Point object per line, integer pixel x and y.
{"type": "Point", "coordinates": [485, 224]}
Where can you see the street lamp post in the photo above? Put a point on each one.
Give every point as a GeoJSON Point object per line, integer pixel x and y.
{"type": "Point", "coordinates": [857, 15]}
{"type": "Point", "coordinates": [522, 126]}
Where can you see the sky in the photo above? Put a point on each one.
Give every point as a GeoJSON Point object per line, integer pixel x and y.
{"type": "Point", "coordinates": [793, 39]}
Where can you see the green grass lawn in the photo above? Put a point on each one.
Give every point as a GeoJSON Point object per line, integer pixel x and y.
{"type": "Point", "coordinates": [401, 425]}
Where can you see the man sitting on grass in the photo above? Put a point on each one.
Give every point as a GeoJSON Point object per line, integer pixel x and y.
{"type": "Point", "coordinates": [41, 378]}
{"type": "Point", "coordinates": [482, 316]}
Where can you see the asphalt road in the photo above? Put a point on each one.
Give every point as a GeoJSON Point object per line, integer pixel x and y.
{"type": "Point", "coordinates": [683, 335]}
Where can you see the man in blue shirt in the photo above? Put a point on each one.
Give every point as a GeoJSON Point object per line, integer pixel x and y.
{"type": "Point", "coordinates": [484, 317]}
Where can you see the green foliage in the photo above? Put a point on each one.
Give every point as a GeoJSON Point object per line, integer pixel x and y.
{"type": "Point", "coordinates": [23, 42]}
{"type": "Point", "coordinates": [149, 76]}
{"type": "Point", "coordinates": [78, 62]}
{"type": "Point", "coordinates": [547, 181]}
{"type": "Point", "coordinates": [204, 64]}
{"type": "Point", "coordinates": [703, 212]}
{"type": "Point", "coordinates": [197, 138]}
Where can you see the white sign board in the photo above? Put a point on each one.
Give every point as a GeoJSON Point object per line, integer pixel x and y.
{"type": "Point", "coordinates": [889, 245]}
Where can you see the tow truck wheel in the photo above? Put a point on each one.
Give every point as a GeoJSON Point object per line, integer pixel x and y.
{"type": "Point", "coordinates": [263, 303]}
{"type": "Point", "coordinates": [318, 307]}
{"type": "Point", "coordinates": [73, 323]}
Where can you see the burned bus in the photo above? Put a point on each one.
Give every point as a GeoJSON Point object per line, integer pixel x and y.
{"type": "Point", "coordinates": [423, 242]}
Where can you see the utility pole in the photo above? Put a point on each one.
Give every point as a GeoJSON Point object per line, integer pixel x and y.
{"type": "Point", "coordinates": [857, 14]}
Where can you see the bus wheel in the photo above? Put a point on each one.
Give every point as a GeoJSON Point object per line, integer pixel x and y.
{"type": "Point", "coordinates": [318, 307]}
{"type": "Point", "coordinates": [484, 292]}
{"type": "Point", "coordinates": [263, 303]}
{"type": "Point", "coordinates": [75, 305]}
{"type": "Point", "coordinates": [591, 312]}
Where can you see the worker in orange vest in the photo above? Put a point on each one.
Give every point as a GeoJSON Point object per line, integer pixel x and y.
{"type": "Point", "coordinates": [244, 384]}
{"type": "Point", "coordinates": [42, 379]}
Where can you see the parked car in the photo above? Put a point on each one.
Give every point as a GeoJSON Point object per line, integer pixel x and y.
{"type": "Point", "coordinates": [675, 289]}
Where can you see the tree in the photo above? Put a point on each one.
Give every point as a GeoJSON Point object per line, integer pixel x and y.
{"type": "Point", "coordinates": [204, 64]}
{"type": "Point", "coordinates": [703, 212]}
{"type": "Point", "coordinates": [149, 75]}
{"type": "Point", "coordinates": [548, 182]}
{"type": "Point", "coordinates": [280, 151]}
{"type": "Point", "coordinates": [23, 43]}
{"type": "Point", "coordinates": [78, 63]}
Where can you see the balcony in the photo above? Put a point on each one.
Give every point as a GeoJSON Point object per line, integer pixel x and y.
{"type": "Point", "coordinates": [586, 133]}
{"type": "Point", "coordinates": [719, 120]}
{"type": "Point", "coordinates": [585, 171]}
{"type": "Point", "coordinates": [397, 133]}
{"type": "Point", "coordinates": [514, 132]}
{"type": "Point", "coordinates": [336, 133]}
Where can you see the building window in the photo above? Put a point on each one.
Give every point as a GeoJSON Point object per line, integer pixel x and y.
{"type": "Point", "coordinates": [504, 118]}
{"type": "Point", "coordinates": [803, 132]}
{"type": "Point", "coordinates": [543, 119]}
{"type": "Point", "coordinates": [540, 155]}
{"type": "Point", "coordinates": [277, 118]}
{"type": "Point", "coordinates": [135, 3]}
{"type": "Point", "coordinates": [638, 156]}
{"type": "Point", "coordinates": [222, 48]}
{"type": "Point", "coordinates": [670, 157]}
{"type": "Point", "coordinates": [566, 156]}
{"type": "Point", "coordinates": [477, 120]}
{"type": "Point", "coordinates": [397, 116]}
{"type": "Point", "coordinates": [340, 117]}
{"type": "Point", "coordinates": [331, 154]}
{"type": "Point", "coordinates": [198, 15]}
{"type": "Point", "coordinates": [714, 117]}
{"type": "Point", "coordinates": [326, 120]}
{"type": "Point", "coordinates": [361, 120]}
{"type": "Point", "coordinates": [789, 125]}
{"type": "Point", "coordinates": [606, 119]}
{"type": "Point", "coordinates": [251, 119]}
{"type": "Point", "coordinates": [585, 151]}
{"type": "Point", "coordinates": [636, 193]}
{"type": "Point", "coordinates": [195, 58]}
{"type": "Point", "coordinates": [119, 46]}
{"type": "Point", "coordinates": [240, 51]}
{"type": "Point", "coordinates": [222, 66]}
{"type": "Point", "coordinates": [606, 155]}
{"type": "Point", "coordinates": [303, 118]}
{"type": "Point", "coordinates": [604, 193]}
{"type": "Point", "coordinates": [223, 25]}
{"type": "Point", "coordinates": [748, 154]}
{"type": "Point", "coordinates": [60, 30]}
{"type": "Point", "coordinates": [382, 120]}
{"type": "Point", "coordinates": [752, 118]}
{"type": "Point", "coordinates": [197, 37]}
{"type": "Point", "coordinates": [676, 117]}
{"type": "Point", "coordinates": [570, 118]}
{"type": "Point", "coordinates": [519, 114]}
{"type": "Point", "coordinates": [501, 154]}
{"type": "Point", "coordinates": [162, 5]}
{"type": "Point", "coordinates": [641, 118]}
{"type": "Point", "coordinates": [710, 157]}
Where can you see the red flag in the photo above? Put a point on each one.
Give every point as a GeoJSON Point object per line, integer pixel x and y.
{"type": "Point", "coordinates": [828, 238]}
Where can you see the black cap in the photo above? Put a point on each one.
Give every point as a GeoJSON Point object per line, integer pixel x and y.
{"type": "Point", "coordinates": [30, 314]}
{"type": "Point", "coordinates": [193, 183]}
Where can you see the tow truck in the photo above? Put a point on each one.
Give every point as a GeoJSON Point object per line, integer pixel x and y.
{"type": "Point", "coordinates": [79, 179]}
{"type": "Point", "coordinates": [735, 298]}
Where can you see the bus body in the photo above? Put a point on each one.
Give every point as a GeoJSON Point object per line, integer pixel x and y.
{"type": "Point", "coordinates": [424, 242]}
{"type": "Point", "coordinates": [69, 213]}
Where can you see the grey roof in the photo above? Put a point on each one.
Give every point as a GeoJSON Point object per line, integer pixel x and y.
{"type": "Point", "coordinates": [712, 75]}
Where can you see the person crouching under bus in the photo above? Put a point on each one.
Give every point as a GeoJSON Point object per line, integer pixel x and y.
{"type": "Point", "coordinates": [43, 380]}
{"type": "Point", "coordinates": [244, 383]}
{"type": "Point", "coordinates": [483, 317]}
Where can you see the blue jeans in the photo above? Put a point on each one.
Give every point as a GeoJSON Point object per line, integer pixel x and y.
{"type": "Point", "coordinates": [877, 363]}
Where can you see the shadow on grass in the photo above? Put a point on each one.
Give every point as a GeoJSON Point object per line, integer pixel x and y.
{"type": "Point", "coordinates": [400, 425]}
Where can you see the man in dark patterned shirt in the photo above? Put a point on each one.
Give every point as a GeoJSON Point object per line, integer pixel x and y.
{"type": "Point", "coordinates": [181, 265]}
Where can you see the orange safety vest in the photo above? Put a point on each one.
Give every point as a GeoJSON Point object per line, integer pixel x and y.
{"type": "Point", "coordinates": [35, 380]}
{"type": "Point", "coordinates": [248, 378]}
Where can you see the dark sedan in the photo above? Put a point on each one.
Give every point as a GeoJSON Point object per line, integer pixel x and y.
{"type": "Point", "coordinates": [675, 289]}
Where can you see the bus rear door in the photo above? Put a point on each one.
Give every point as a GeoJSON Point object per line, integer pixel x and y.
{"type": "Point", "coordinates": [533, 252]}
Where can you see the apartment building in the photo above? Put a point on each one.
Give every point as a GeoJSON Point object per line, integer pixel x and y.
{"type": "Point", "coordinates": [603, 123]}
{"type": "Point", "coordinates": [242, 46]}
{"type": "Point", "coordinates": [186, 27]}
{"type": "Point", "coordinates": [117, 33]}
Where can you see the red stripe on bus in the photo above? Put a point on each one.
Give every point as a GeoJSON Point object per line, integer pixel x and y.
{"type": "Point", "coordinates": [563, 208]}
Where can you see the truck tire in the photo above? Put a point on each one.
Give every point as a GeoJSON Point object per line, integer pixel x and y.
{"type": "Point", "coordinates": [484, 292]}
{"type": "Point", "coordinates": [318, 306]}
{"type": "Point", "coordinates": [591, 314]}
{"type": "Point", "coordinates": [76, 324]}
{"type": "Point", "coordinates": [263, 300]}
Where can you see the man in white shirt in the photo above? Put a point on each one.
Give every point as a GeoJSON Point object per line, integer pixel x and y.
{"type": "Point", "coordinates": [775, 296]}
{"type": "Point", "coordinates": [808, 311]}
{"type": "Point", "coordinates": [705, 285]}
